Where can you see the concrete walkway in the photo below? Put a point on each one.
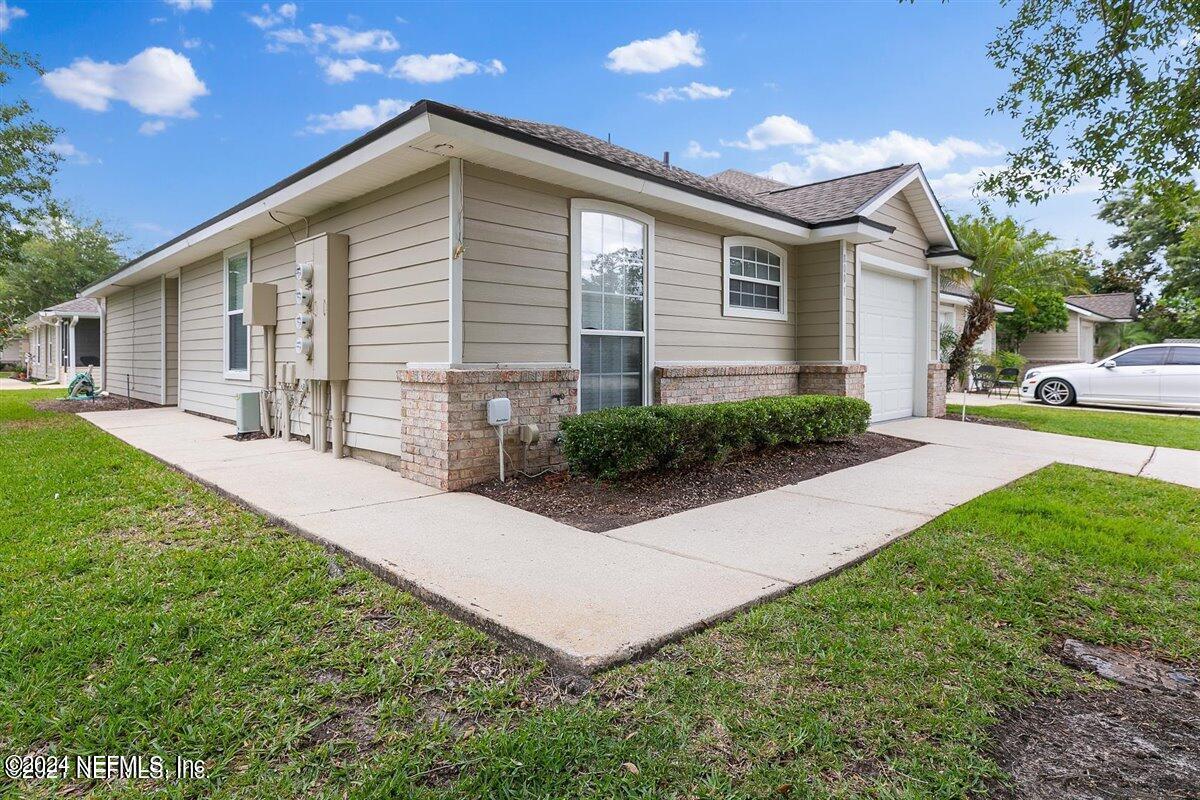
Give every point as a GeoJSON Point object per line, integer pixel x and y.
{"type": "Point", "coordinates": [8, 384]}
{"type": "Point", "coordinates": [998, 443]}
{"type": "Point", "coordinates": [586, 600]}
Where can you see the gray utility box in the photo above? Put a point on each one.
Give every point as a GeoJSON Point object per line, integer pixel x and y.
{"type": "Point", "coordinates": [246, 414]}
{"type": "Point", "coordinates": [322, 307]}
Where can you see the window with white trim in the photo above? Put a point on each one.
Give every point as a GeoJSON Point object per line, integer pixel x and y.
{"type": "Point", "coordinates": [613, 266]}
{"type": "Point", "coordinates": [236, 334]}
{"type": "Point", "coordinates": [755, 279]}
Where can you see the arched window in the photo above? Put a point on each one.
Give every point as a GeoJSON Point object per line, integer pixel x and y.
{"type": "Point", "coordinates": [755, 278]}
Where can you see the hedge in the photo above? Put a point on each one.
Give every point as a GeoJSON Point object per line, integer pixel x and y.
{"type": "Point", "coordinates": [620, 441]}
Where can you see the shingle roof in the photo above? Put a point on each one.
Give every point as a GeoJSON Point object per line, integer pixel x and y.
{"type": "Point", "coordinates": [837, 198]}
{"type": "Point", "coordinates": [582, 143]}
{"type": "Point", "coordinates": [755, 184]}
{"type": "Point", "coordinates": [76, 305]}
{"type": "Point", "coordinates": [1115, 305]}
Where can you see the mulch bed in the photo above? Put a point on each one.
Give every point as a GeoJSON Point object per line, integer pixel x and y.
{"type": "Point", "coordinates": [1139, 740]}
{"type": "Point", "coordinates": [604, 505]}
{"type": "Point", "coordinates": [1000, 423]}
{"type": "Point", "coordinates": [111, 403]}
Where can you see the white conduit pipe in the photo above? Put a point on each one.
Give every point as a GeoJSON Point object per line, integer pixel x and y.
{"type": "Point", "coordinates": [336, 413]}
{"type": "Point", "coordinates": [268, 395]}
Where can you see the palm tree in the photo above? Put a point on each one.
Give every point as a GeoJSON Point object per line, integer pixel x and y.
{"type": "Point", "coordinates": [1011, 262]}
{"type": "Point", "coordinates": [1117, 336]}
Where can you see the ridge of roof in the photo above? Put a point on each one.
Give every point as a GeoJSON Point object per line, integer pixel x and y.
{"type": "Point", "coordinates": [906, 168]}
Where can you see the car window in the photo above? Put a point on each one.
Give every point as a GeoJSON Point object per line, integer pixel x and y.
{"type": "Point", "coordinates": [1184, 357]}
{"type": "Point", "coordinates": [1146, 357]}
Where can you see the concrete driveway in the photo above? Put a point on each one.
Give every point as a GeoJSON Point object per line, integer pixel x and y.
{"type": "Point", "coordinates": [587, 600]}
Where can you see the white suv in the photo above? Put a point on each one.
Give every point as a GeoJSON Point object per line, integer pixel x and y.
{"type": "Point", "coordinates": [1160, 375]}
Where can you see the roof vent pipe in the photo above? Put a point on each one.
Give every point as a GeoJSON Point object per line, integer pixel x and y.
{"type": "Point", "coordinates": [667, 157]}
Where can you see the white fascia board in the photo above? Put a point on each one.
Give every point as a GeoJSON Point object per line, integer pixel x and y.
{"type": "Point", "coordinates": [790, 232]}
{"type": "Point", "coordinates": [889, 265]}
{"type": "Point", "coordinates": [1083, 312]}
{"type": "Point", "coordinates": [853, 232]}
{"type": "Point", "coordinates": [396, 139]}
{"type": "Point", "coordinates": [954, 261]}
{"type": "Point", "coordinates": [918, 174]}
{"type": "Point", "coordinates": [953, 299]}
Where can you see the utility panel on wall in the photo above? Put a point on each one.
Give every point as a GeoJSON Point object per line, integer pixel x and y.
{"type": "Point", "coordinates": [322, 307]}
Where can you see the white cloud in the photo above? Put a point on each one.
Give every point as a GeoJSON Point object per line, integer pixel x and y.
{"type": "Point", "coordinates": [441, 67]}
{"type": "Point", "coordinates": [69, 152]}
{"type": "Point", "coordinates": [358, 118]}
{"type": "Point", "coordinates": [345, 40]}
{"type": "Point", "coordinates": [656, 55]}
{"type": "Point", "coordinates": [152, 127]}
{"type": "Point", "coordinates": [693, 91]}
{"type": "Point", "coordinates": [337, 38]}
{"type": "Point", "coordinates": [955, 186]}
{"type": "Point", "coordinates": [191, 44]}
{"type": "Point", "coordinates": [269, 19]}
{"type": "Point", "coordinates": [695, 150]}
{"type": "Point", "coordinates": [190, 5]}
{"type": "Point", "coordinates": [775, 131]}
{"type": "Point", "coordinates": [156, 81]}
{"type": "Point", "coordinates": [848, 156]}
{"type": "Point", "coordinates": [346, 70]}
{"type": "Point", "coordinates": [9, 14]}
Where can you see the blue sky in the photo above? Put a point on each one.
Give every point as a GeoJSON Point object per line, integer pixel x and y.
{"type": "Point", "coordinates": [173, 110]}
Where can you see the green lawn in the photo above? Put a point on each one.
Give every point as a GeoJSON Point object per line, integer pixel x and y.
{"type": "Point", "coordinates": [1156, 430]}
{"type": "Point", "coordinates": [141, 613]}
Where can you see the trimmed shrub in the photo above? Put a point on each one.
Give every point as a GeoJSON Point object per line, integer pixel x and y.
{"type": "Point", "coordinates": [622, 441]}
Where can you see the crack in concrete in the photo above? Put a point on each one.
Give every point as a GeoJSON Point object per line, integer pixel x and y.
{"type": "Point", "coordinates": [1153, 452]}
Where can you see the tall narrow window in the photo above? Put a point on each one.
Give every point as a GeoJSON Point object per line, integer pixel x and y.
{"type": "Point", "coordinates": [237, 335]}
{"type": "Point", "coordinates": [613, 265]}
{"type": "Point", "coordinates": [755, 279]}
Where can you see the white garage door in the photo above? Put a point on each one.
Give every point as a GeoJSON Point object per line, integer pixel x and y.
{"type": "Point", "coordinates": [887, 314]}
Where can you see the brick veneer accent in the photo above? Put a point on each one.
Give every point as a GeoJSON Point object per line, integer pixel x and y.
{"type": "Point", "coordinates": [447, 441]}
{"type": "Point", "coordinates": [716, 383]}
{"type": "Point", "coordinates": [935, 399]}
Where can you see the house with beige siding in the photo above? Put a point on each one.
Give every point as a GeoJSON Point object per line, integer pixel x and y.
{"type": "Point", "coordinates": [378, 298]}
{"type": "Point", "coordinates": [953, 301]}
{"type": "Point", "coordinates": [64, 340]}
{"type": "Point", "coordinates": [1085, 312]}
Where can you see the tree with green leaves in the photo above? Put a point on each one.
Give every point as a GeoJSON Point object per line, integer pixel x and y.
{"type": "Point", "coordinates": [1103, 89]}
{"type": "Point", "coordinates": [1039, 311]}
{"type": "Point", "coordinates": [1012, 263]}
{"type": "Point", "coordinates": [60, 255]}
{"type": "Point", "coordinates": [27, 160]}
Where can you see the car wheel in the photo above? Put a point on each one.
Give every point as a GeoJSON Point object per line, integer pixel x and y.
{"type": "Point", "coordinates": [1056, 392]}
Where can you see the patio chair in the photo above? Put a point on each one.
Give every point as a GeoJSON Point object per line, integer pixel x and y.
{"type": "Point", "coordinates": [1009, 379]}
{"type": "Point", "coordinates": [984, 378]}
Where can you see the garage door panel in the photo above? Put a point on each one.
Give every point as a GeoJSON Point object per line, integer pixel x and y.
{"type": "Point", "coordinates": [887, 313]}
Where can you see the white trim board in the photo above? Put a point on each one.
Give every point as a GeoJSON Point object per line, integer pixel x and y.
{"type": "Point", "coordinates": [900, 184]}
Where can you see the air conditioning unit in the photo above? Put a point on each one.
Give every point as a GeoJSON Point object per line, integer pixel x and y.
{"type": "Point", "coordinates": [246, 414]}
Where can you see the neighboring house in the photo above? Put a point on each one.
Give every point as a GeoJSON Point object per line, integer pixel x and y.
{"type": "Point", "coordinates": [65, 339]}
{"type": "Point", "coordinates": [12, 352]}
{"type": "Point", "coordinates": [953, 301]}
{"type": "Point", "coordinates": [494, 257]}
{"type": "Point", "coordinates": [1078, 342]}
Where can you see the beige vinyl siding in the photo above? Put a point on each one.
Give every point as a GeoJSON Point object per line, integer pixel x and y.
{"type": "Point", "coordinates": [1054, 345]}
{"type": "Point", "coordinates": [133, 341]}
{"type": "Point", "coordinates": [690, 324]}
{"type": "Point", "coordinates": [399, 306]}
{"type": "Point", "coordinates": [171, 334]}
{"type": "Point", "coordinates": [516, 281]}
{"type": "Point", "coordinates": [817, 300]}
{"type": "Point", "coordinates": [118, 341]}
{"type": "Point", "coordinates": [907, 245]}
{"type": "Point", "coordinates": [516, 269]}
{"type": "Point", "coordinates": [849, 278]}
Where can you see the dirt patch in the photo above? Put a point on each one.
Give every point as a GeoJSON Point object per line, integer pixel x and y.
{"type": "Point", "coordinates": [1141, 740]}
{"type": "Point", "coordinates": [999, 423]}
{"type": "Point", "coordinates": [353, 722]}
{"type": "Point", "coordinates": [603, 505]}
{"type": "Point", "coordinates": [111, 403]}
{"type": "Point", "coordinates": [251, 436]}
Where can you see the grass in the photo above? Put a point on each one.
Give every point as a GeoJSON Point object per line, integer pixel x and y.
{"type": "Point", "coordinates": [1156, 430]}
{"type": "Point", "coordinates": [141, 613]}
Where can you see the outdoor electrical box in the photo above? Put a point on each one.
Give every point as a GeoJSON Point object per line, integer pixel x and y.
{"type": "Point", "coordinates": [246, 412]}
{"type": "Point", "coordinates": [322, 307]}
{"type": "Point", "coordinates": [260, 303]}
{"type": "Point", "coordinates": [499, 411]}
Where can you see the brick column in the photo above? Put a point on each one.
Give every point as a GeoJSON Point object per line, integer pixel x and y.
{"type": "Point", "coordinates": [935, 398]}
{"type": "Point", "coordinates": [447, 440]}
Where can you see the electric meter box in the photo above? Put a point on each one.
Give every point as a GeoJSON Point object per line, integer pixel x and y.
{"type": "Point", "coordinates": [260, 302]}
{"type": "Point", "coordinates": [322, 291]}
